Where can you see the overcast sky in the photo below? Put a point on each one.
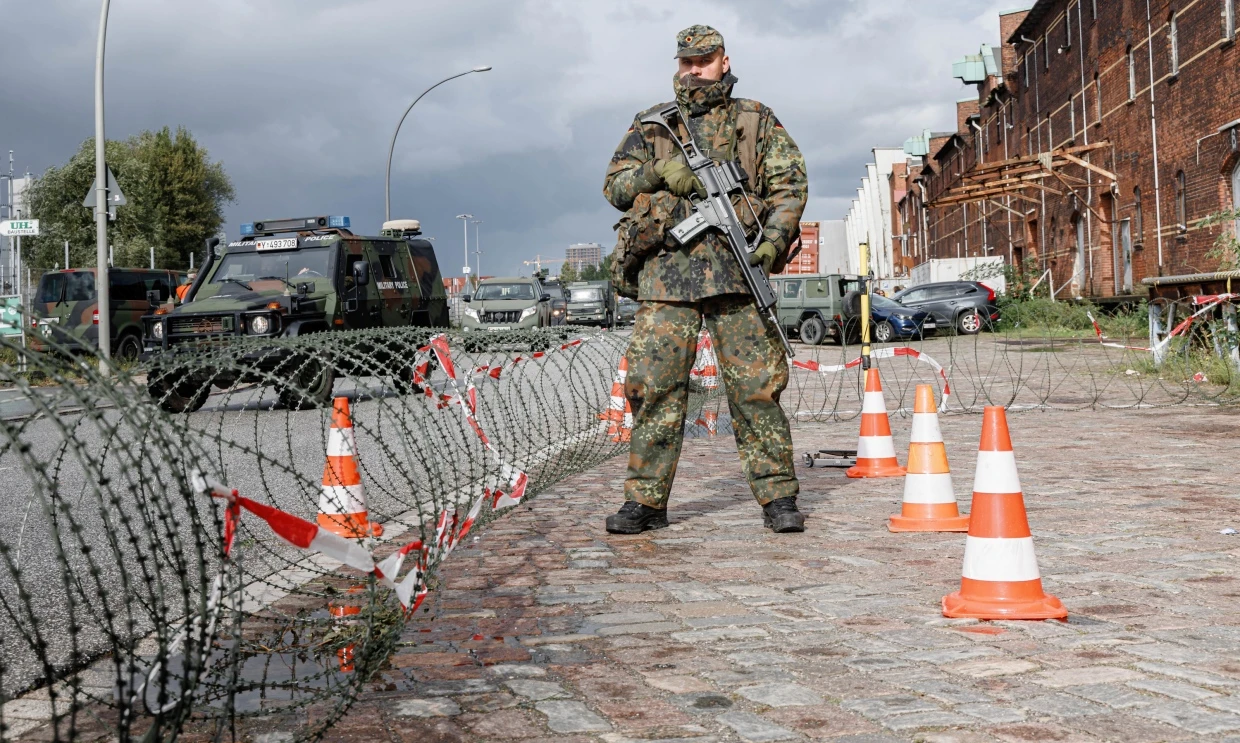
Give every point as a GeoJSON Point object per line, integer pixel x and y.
{"type": "Point", "coordinates": [298, 98]}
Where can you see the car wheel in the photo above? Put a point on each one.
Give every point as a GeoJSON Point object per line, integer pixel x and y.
{"type": "Point", "coordinates": [812, 331]}
{"type": "Point", "coordinates": [184, 396]}
{"type": "Point", "coordinates": [128, 348]}
{"type": "Point", "coordinates": [311, 387]}
{"type": "Point", "coordinates": [884, 332]}
{"type": "Point", "coordinates": [969, 323]}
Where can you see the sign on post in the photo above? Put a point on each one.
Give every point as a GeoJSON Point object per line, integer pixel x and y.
{"type": "Point", "coordinates": [115, 196]}
{"type": "Point", "coordinates": [465, 270]}
{"type": "Point", "coordinates": [20, 228]}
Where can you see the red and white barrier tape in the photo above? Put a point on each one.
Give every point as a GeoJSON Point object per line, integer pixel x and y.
{"type": "Point", "coordinates": [882, 353]}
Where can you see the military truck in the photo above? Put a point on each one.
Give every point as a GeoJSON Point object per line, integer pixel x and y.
{"type": "Point", "coordinates": [288, 278]}
{"type": "Point", "coordinates": [66, 308]}
{"type": "Point", "coordinates": [591, 303]}
{"type": "Point", "coordinates": [507, 304]}
{"type": "Point", "coordinates": [813, 307]}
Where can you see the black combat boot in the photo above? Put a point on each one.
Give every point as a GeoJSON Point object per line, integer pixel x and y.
{"type": "Point", "coordinates": [635, 518]}
{"type": "Point", "coordinates": [781, 516]}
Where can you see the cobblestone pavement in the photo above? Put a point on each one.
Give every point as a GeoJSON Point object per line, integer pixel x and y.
{"type": "Point", "coordinates": [547, 628]}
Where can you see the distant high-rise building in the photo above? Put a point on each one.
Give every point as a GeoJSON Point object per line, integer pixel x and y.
{"type": "Point", "coordinates": [583, 254]}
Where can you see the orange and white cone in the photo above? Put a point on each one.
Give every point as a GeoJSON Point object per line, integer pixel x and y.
{"type": "Point", "coordinates": [623, 431]}
{"type": "Point", "coordinates": [707, 365]}
{"type": "Point", "coordinates": [929, 499]}
{"type": "Point", "coordinates": [1000, 579]}
{"type": "Point", "coordinates": [342, 505]}
{"type": "Point", "coordinates": [616, 403]}
{"type": "Point", "coordinates": [709, 421]}
{"type": "Point", "coordinates": [876, 452]}
{"type": "Point", "coordinates": [344, 656]}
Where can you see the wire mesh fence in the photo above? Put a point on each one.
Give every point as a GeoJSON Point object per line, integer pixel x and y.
{"type": "Point", "coordinates": [171, 560]}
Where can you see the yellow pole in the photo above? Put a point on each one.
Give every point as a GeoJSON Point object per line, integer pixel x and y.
{"type": "Point", "coordinates": [867, 275]}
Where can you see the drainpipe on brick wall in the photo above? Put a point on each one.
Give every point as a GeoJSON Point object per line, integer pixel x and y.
{"type": "Point", "coordinates": [1149, 47]}
{"type": "Point", "coordinates": [1089, 174]}
{"type": "Point", "coordinates": [1007, 200]}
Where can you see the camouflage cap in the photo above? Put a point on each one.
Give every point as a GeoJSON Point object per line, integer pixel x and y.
{"type": "Point", "coordinates": [697, 40]}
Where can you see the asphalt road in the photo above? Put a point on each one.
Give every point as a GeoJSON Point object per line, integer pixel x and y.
{"type": "Point", "coordinates": [415, 458]}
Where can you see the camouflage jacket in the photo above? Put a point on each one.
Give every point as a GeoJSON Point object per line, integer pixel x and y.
{"type": "Point", "coordinates": [706, 268]}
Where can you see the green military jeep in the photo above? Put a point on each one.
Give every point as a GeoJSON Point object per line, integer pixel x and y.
{"type": "Point", "coordinates": [286, 278]}
{"type": "Point", "coordinates": [812, 306]}
{"type": "Point", "coordinates": [66, 308]}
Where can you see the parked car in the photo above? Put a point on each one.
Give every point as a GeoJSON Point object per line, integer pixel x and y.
{"type": "Point", "coordinates": [626, 310]}
{"type": "Point", "coordinates": [812, 307]}
{"type": "Point", "coordinates": [507, 304]}
{"type": "Point", "coordinates": [965, 306]}
{"type": "Point", "coordinates": [559, 305]}
{"type": "Point", "coordinates": [66, 307]}
{"type": "Point", "coordinates": [891, 320]}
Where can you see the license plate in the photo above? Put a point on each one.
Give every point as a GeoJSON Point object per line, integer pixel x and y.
{"type": "Point", "coordinates": [282, 243]}
{"type": "Point", "coordinates": [928, 324]}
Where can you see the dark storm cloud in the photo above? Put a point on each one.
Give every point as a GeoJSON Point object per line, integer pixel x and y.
{"type": "Point", "coordinates": [298, 98]}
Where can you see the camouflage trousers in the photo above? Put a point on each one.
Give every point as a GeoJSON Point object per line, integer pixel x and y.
{"type": "Point", "coordinates": [754, 373]}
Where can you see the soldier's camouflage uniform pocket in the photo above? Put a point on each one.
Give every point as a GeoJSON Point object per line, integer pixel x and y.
{"type": "Point", "coordinates": [639, 233]}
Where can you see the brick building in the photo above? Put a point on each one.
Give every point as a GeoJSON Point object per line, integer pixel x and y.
{"type": "Point", "coordinates": [1102, 134]}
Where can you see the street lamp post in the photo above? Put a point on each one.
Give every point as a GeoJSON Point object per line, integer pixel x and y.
{"type": "Point", "coordinates": [478, 248]}
{"type": "Point", "coordinates": [101, 204]}
{"type": "Point", "coordinates": [387, 187]}
{"type": "Point", "coordinates": [465, 223]}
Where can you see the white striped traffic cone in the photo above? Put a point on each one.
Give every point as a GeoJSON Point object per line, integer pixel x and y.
{"type": "Point", "coordinates": [876, 452]}
{"type": "Point", "coordinates": [614, 413]}
{"type": "Point", "coordinates": [342, 505]}
{"type": "Point", "coordinates": [1000, 579]}
{"type": "Point", "coordinates": [929, 499]}
{"type": "Point", "coordinates": [708, 364]}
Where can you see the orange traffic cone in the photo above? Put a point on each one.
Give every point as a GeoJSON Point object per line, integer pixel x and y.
{"type": "Point", "coordinates": [929, 500]}
{"type": "Point", "coordinates": [342, 506]}
{"type": "Point", "coordinates": [709, 366]}
{"type": "Point", "coordinates": [623, 431]}
{"type": "Point", "coordinates": [876, 452]}
{"type": "Point", "coordinates": [615, 404]}
{"type": "Point", "coordinates": [1000, 579]}
{"type": "Point", "coordinates": [709, 421]}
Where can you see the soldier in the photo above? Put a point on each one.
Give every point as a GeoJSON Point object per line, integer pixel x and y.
{"type": "Point", "coordinates": [680, 287]}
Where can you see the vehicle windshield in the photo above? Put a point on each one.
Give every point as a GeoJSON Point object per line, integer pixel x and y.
{"type": "Point", "coordinates": [505, 291]}
{"type": "Point", "coordinates": [885, 303]}
{"type": "Point", "coordinates": [312, 263]}
{"type": "Point", "coordinates": [79, 286]}
{"type": "Point", "coordinates": [588, 294]}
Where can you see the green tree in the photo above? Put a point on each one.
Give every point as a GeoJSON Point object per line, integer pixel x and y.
{"type": "Point", "coordinates": [568, 273]}
{"type": "Point", "coordinates": [594, 273]}
{"type": "Point", "coordinates": [175, 194]}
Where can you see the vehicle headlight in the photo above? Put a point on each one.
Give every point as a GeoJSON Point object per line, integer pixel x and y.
{"type": "Point", "coordinates": [558, 312]}
{"type": "Point", "coordinates": [529, 312]}
{"type": "Point", "coordinates": [157, 330]}
{"type": "Point", "coordinates": [471, 312]}
{"type": "Point", "coordinates": [260, 325]}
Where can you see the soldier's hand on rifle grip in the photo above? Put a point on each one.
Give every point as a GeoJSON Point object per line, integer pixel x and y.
{"type": "Point", "coordinates": [765, 254]}
{"type": "Point", "coordinates": [679, 178]}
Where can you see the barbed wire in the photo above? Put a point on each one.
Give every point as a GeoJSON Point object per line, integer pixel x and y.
{"type": "Point", "coordinates": [140, 606]}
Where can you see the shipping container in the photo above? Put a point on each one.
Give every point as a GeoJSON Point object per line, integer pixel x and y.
{"type": "Point", "coordinates": [805, 261]}
{"type": "Point", "coordinates": [988, 270]}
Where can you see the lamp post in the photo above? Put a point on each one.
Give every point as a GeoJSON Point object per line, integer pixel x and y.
{"type": "Point", "coordinates": [465, 223]}
{"type": "Point", "coordinates": [101, 204]}
{"type": "Point", "coordinates": [478, 249]}
{"type": "Point", "coordinates": [387, 184]}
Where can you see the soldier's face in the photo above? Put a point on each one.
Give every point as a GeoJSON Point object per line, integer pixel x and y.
{"type": "Point", "coordinates": [711, 66]}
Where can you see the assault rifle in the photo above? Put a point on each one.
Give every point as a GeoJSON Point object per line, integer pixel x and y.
{"type": "Point", "coordinates": [715, 210]}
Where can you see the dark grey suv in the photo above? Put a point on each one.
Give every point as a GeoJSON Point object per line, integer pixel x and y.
{"type": "Point", "coordinates": [965, 306]}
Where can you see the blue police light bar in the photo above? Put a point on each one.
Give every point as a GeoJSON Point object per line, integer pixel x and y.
{"type": "Point", "coordinates": [300, 224]}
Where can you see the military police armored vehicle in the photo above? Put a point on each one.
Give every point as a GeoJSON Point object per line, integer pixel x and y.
{"type": "Point", "coordinates": [288, 278]}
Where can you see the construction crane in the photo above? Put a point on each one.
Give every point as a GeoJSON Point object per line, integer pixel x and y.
{"type": "Point", "coordinates": [539, 260]}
